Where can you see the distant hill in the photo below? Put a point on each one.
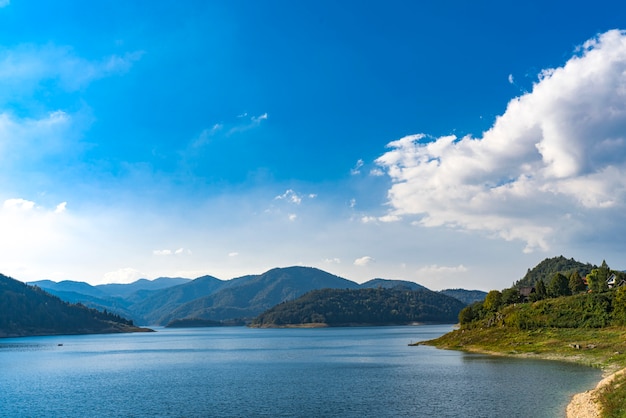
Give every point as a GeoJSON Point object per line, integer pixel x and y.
{"type": "Point", "coordinates": [391, 284]}
{"type": "Point", "coordinates": [466, 296]}
{"type": "Point", "coordinates": [27, 310]}
{"type": "Point", "coordinates": [548, 267]}
{"type": "Point", "coordinates": [163, 300]}
{"type": "Point", "coordinates": [157, 306]}
{"type": "Point", "coordinates": [125, 290]}
{"type": "Point", "coordinates": [248, 296]}
{"type": "Point", "coordinates": [340, 307]}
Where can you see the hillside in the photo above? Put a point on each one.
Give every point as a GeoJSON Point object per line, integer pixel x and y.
{"type": "Point", "coordinates": [26, 310]}
{"type": "Point", "coordinates": [340, 307]}
{"type": "Point", "coordinates": [548, 267]}
{"type": "Point", "coordinates": [466, 296]}
{"type": "Point", "coordinates": [164, 300]}
{"type": "Point", "coordinates": [248, 296]}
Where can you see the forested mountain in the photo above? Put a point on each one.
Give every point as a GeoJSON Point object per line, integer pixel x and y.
{"type": "Point", "coordinates": [391, 284]}
{"type": "Point", "coordinates": [548, 267]}
{"type": "Point", "coordinates": [28, 310]}
{"type": "Point", "coordinates": [207, 297]}
{"type": "Point", "coordinates": [159, 304]}
{"type": "Point", "coordinates": [248, 296]}
{"type": "Point", "coordinates": [337, 307]}
{"type": "Point", "coordinates": [466, 296]}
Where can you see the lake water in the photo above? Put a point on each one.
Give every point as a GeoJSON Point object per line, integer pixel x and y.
{"type": "Point", "coordinates": [241, 372]}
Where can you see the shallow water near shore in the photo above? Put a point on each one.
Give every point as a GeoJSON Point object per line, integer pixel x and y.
{"type": "Point", "coordinates": [241, 372]}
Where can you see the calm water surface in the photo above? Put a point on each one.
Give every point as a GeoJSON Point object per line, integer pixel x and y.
{"type": "Point", "coordinates": [241, 372]}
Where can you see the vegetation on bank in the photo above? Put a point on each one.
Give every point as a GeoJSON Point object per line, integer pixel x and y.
{"type": "Point", "coordinates": [575, 314]}
{"type": "Point", "coordinates": [341, 307]}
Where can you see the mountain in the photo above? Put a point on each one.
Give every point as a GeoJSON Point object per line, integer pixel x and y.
{"type": "Point", "coordinates": [160, 303]}
{"type": "Point", "coordinates": [163, 300]}
{"type": "Point", "coordinates": [548, 267]}
{"type": "Point", "coordinates": [27, 310]}
{"type": "Point", "coordinates": [116, 298]}
{"type": "Point", "coordinates": [248, 296]}
{"type": "Point", "coordinates": [341, 307]}
{"type": "Point", "coordinates": [126, 290]}
{"type": "Point", "coordinates": [466, 296]}
{"type": "Point", "coordinates": [391, 284]}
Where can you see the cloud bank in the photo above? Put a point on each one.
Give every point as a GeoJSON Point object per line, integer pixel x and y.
{"type": "Point", "coordinates": [553, 162]}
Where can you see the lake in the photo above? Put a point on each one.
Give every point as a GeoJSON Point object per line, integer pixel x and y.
{"type": "Point", "coordinates": [243, 372]}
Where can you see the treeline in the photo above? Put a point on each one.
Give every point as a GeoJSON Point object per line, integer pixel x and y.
{"type": "Point", "coordinates": [567, 300]}
{"type": "Point", "coordinates": [28, 310]}
{"type": "Point", "coordinates": [336, 307]}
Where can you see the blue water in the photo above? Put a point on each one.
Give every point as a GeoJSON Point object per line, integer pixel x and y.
{"type": "Point", "coordinates": [241, 372]}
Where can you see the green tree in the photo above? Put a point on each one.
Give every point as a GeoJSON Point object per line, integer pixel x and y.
{"type": "Point", "coordinates": [510, 296]}
{"type": "Point", "coordinates": [540, 291]}
{"type": "Point", "coordinates": [619, 305]}
{"type": "Point", "coordinates": [598, 277]}
{"type": "Point", "coordinates": [576, 283]}
{"type": "Point", "coordinates": [558, 286]}
{"type": "Point", "coordinates": [493, 301]}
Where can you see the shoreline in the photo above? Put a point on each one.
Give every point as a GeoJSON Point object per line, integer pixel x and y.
{"type": "Point", "coordinates": [581, 405]}
{"type": "Point", "coordinates": [585, 404]}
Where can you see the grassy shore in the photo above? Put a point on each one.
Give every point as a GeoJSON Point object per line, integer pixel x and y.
{"type": "Point", "coordinates": [604, 348]}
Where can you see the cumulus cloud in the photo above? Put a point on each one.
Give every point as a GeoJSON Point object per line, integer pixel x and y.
{"type": "Point", "coordinates": [334, 260]}
{"type": "Point", "coordinates": [18, 204]}
{"type": "Point", "coordinates": [363, 261]}
{"type": "Point", "coordinates": [553, 159]}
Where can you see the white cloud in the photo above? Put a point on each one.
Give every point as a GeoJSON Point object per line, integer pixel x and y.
{"type": "Point", "coordinates": [34, 138]}
{"type": "Point", "coordinates": [511, 80]}
{"type": "Point", "coordinates": [123, 275]}
{"type": "Point", "coordinates": [61, 207]}
{"type": "Point", "coordinates": [363, 261]}
{"type": "Point", "coordinates": [436, 269]}
{"type": "Point", "coordinates": [357, 168]}
{"type": "Point", "coordinates": [233, 254]}
{"type": "Point", "coordinates": [252, 123]}
{"type": "Point", "coordinates": [332, 260]}
{"type": "Point", "coordinates": [557, 150]}
{"type": "Point", "coordinates": [24, 67]}
{"type": "Point", "coordinates": [292, 217]}
{"type": "Point", "coordinates": [168, 252]}
{"type": "Point", "coordinates": [4, 3]}
{"type": "Point", "coordinates": [18, 204]}
{"type": "Point", "coordinates": [291, 197]}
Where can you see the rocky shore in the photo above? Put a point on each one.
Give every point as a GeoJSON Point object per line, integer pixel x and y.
{"type": "Point", "coordinates": [585, 405]}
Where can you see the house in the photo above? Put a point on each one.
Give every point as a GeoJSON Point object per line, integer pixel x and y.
{"type": "Point", "coordinates": [525, 292]}
{"type": "Point", "coordinates": [614, 281]}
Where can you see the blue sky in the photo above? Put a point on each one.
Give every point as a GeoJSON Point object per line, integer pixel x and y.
{"type": "Point", "coordinates": [449, 143]}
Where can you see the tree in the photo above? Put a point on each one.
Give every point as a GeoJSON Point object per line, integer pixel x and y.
{"type": "Point", "coordinates": [493, 301]}
{"type": "Point", "coordinates": [576, 283]}
{"type": "Point", "coordinates": [510, 296]}
{"type": "Point", "coordinates": [558, 286]}
{"type": "Point", "coordinates": [598, 277]}
{"type": "Point", "coordinates": [540, 291]}
{"type": "Point", "coordinates": [619, 305]}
